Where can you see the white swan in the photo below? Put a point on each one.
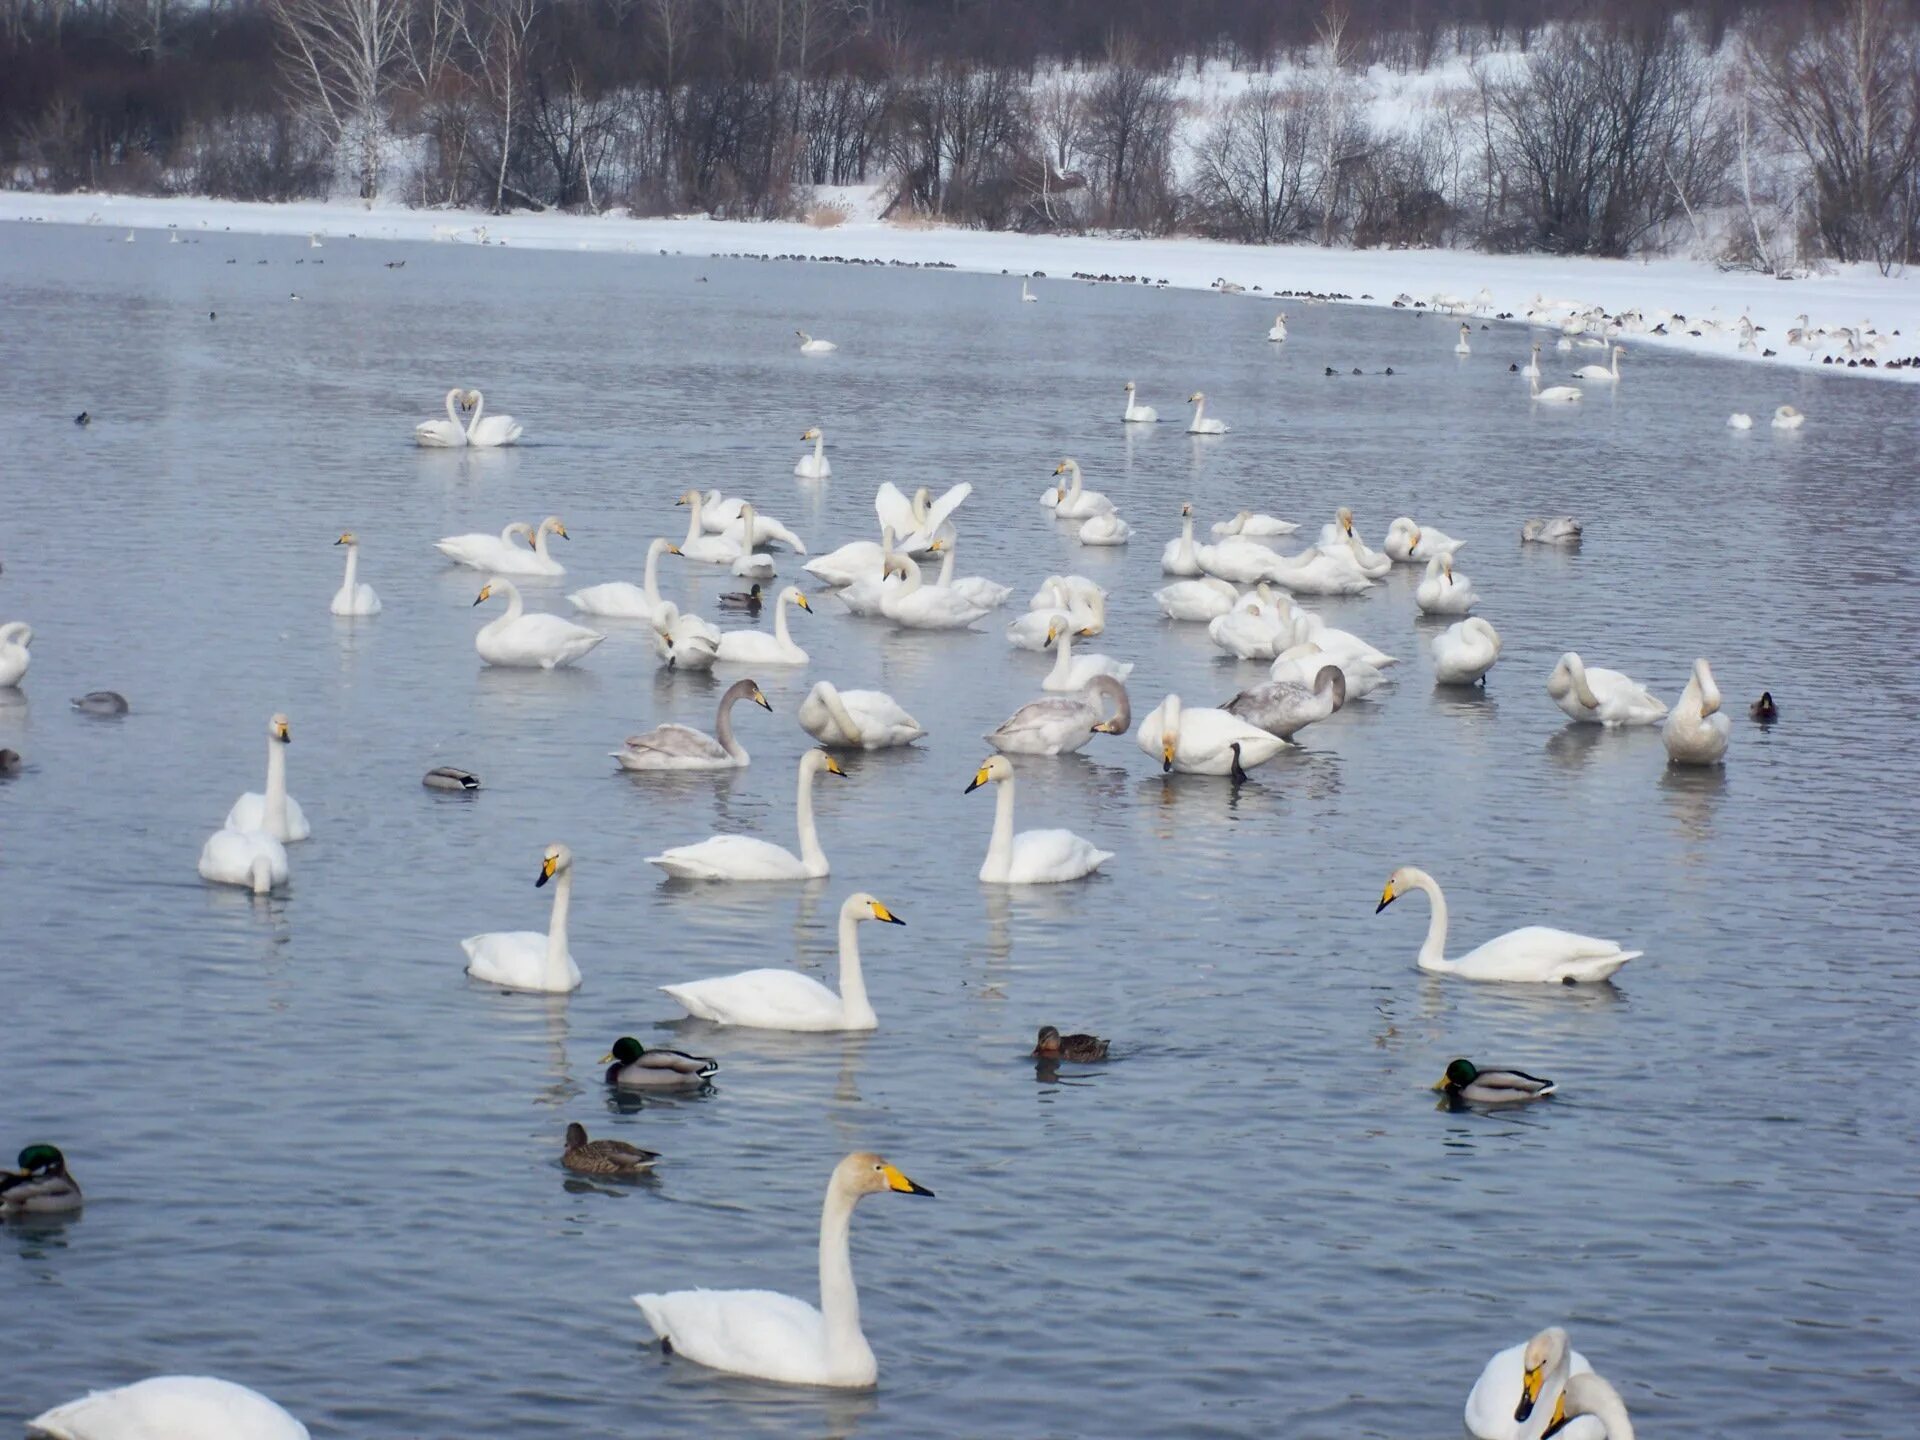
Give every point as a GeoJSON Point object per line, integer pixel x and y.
{"type": "Point", "coordinates": [523, 640]}
{"type": "Point", "coordinates": [1072, 672]}
{"type": "Point", "coordinates": [1300, 664]}
{"type": "Point", "coordinates": [15, 657]}
{"type": "Point", "coordinates": [1532, 368]}
{"type": "Point", "coordinates": [1085, 600]}
{"type": "Point", "coordinates": [1205, 741]}
{"type": "Point", "coordinates": [1105, 530]}
{"type": "Point", "coordinates": [510, 559]}
{"type": "Point", "coordinates": [1788, 418]}
{"type": "Point", "coordinates": [170, 1407]}
{"type": "Point", "coordinates": [1518, 1394]}
{"type": "Point", "coordinates": [1696, 733]}
{"type": "Point", "coordinates": [864, 596]}
{"type": "Point", "coordinates": [719, 513]}
{"type": "Point", "coordinates": [1601, 697]}
{"type": "Point", "coordinates": [1026, 295]}
{"type": "Point", "coordinates": [1535, 954]}
{"type": "Point", "coordinates": [854, 562]}
{"type": "Point", "coordinates": [1196, 600]}
{"type": "Point", "coordinates": [1285, 707]}
{"type": "Point", "coordinates": [1060, 725]}
{"type": "Point", "coordinates": [1552, 530]}
{"type": "Point", "coordinates": [742, 857]}
{"type": "Point", "coordinates": [1199, 424]}
{"type": "Point", "coordinates": [1413, 544]}
{"type": "Point", "coordinates": [987, 594]}
{"type": "Point", "coordinates": [486, 552]}
{"type": "Point", "coordinates": [1073, 501]}
{"type": "Point", "coordinates": [918, 606]}
{"type": "Point", "coordinates": [1343, 541]}
{"type": "Point", "coordinates": [1252, 525]}
{"type": "Point", "coordinates": [1031, 857]}
{"type": "Point", "coordinates": [788, 1000]}
{"type": "Point", "coordinates": [1338, 645]}
{"type": "Point", "coordinates": [353, 598]}
{"type": "Point", "coordinates": [1443, 592]}
{"type": "Point", "coordinates": [1279, 330]}
{"type": "Point", "coordinates": [815, 466]}
{"type": "Point", "coordinates": [1177, 556]}
{"type": "Point", "coordinates": [1086, 615]}
{"type": "Point", "coordinates": [856, 719]}
{"type": "Point", "coordinates": [1136, 413]}
{"type": "Point", "coordinates": [764, 528]}
{"type": "Point", "coordinates": [757, 647]}
{"type": "Point", "coordinates": [622, 599]}
{"type": "Point", "coordinates": [1255, 629]}
{"type": "Point", "coordinates": [681, 747]}
{"type": "Point", "coordinates": [811, 346]}
{"type": "Point", "coordinates": [1464, 652]}
{"type": "Point", "coordinates": [920, 523]}
{"type": "Point", "coordinates": [1601, 374]}
{"type": "Point", "coordinates": [1591, 1409]}
{"type": "Point", "coordinates": [684, 640]}
{"type": "Point", "coordinates": [1320, 572]}
{"type": "Point", "coordinates": [274, 811]}
{"type": "Point", "coordinates": [486, 431]}
{"type": "Point", "coordinates": [1237, 559]}
{"type": "Point", "coordinates": [447, 434]}
{"type": "Point", "coordinates": [1739, 421]}
{"type": "Point", "coordinates": [700, 544]}
{"type": "Point", "coordinates": [1461, 347]}
{"type": "Point", "coordinates": [250, 858]}
{"type": "Point", "coordinates": [775, 1337]}
{"type": "Point", "coordinates": [1553, 394]}
{"type": "Point", "coordinates": [531, 959]}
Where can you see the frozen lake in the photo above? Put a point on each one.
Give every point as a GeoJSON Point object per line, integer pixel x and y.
{"type": "Point", "coordinates": [322, 1162]}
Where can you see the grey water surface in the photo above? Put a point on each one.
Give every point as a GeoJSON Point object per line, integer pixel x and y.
{"type": "Point", "coordinates": [322, 1162]}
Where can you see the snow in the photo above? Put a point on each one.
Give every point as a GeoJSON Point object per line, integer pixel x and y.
{"type": "Point", "coordinates": [1847, 296]}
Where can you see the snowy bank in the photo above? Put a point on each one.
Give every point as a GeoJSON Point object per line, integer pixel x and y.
{"type": "Point", "coordinates": [1713, 300]}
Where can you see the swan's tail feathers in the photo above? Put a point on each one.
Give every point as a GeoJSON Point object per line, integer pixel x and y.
{"type": "Point", "coordinates": [650, 1307]}
{"type": "Point", "coordinates": [689, 1000]}
{"type": "Point", "coordinates": [1600, 967]}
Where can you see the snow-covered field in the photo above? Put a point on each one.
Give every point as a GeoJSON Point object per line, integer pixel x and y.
{"type": "Point", "coordinates": [1712, 300]}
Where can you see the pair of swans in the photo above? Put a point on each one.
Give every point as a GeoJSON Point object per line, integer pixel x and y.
{"type": "Point", "coordinates": [518, 640]}
{"type": "Point", "coordinates": [815, 466]}
{"type": "Point", "coordinates": [1060, 725]}
{"type": "Point", "coordinates": [15, 637]}
{"type": "Point", "coordinates": [249, 850]}
{"type": "Point", "coordinates": [915, 605]}
{"type": "Point", "coordinates": [1072, 500]}
{"type": "Point", "coordinates": [1594, 696]}
{"type": "Point", "coordinates": [1696, 733]}
{"type": "Point", "coordinates": [1286, 707]}
{"type": "Point", "coordinates": [776, 1337]}
{"type": "Point", "coordinates": [1076, 672]}
{"type": "Point", "coordinates": [856, 719]}
{"type": "Point", "coordinates": [733, 548]}
{"type": "Point", "coordinates": [1073, 599]}
{"type": "Point", "coordinates": [1029, 857]}
{"type": "Point", "coordinates": [1602, 374]}
{"type": "Point", "coordinates": [1442, 592]}
{"type": "Point", "coordinates": [1205, 741]}
{"type": "Point", "coordinates": [170, 1407]}
{"type": "Point", "coordinates": [1464, 652]}
{"type": "Point", "coordinates": [681, 747]}
{"type": "Point", "coordinates": [1136, 413]}
{"type": "Point", "coordinates": [742, 857]}
{"type": "Point", "coordinates": [758, 647]}
{"type": "Point", "coordinates": [1535, 954]}
{"type": "Point", "coordinates": [722, 514]}
{"type": "Point", "coordinates": [1200, 424]}
{"type": "Point", "coordinates": [531, 959]}
{"type": "Point", "coordinates": [622, 599]}
{"type": "Point", "coordinates": [498, 554]}
{"type": "Point", "coordinates": [353, 598]}
{"type": "Point", "coordinates": [482, 431]}
{"type": "Point", "coordinates": [781, 999]}
{"type": "Point", "coordinates": [1544, 1387]}
{"type": "Point", "coordinates": [1410, 543]}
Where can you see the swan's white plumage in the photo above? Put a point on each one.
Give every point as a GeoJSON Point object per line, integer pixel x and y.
{"type": "Point", "coordinates": [1595, 696]}
{"type": "Point", "coordinates": [1496, 1395]}
{"type": "Point", "coordinates": [520, 640]}
{"type": "Point", "coordinates": [1534, 954]}
{"type": "Point", "coordinates": [170, 1407]}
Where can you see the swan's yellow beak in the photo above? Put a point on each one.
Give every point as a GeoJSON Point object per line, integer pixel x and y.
{"type": "Point", "coordinates": [936, 547]}
{"type": "Point", "coordinates": [1446, 569]}
{"type": "Point", "coordinates": [1530, 1384]}
{"type": "Point", "coordinates": [1061, 468]}
{"type": "Point", "coordinates": [282, 733]}
{"type": "Point", "coordinates": [674, 550]}
{"type": "Point", "coordinates": [897, 1181]}
{"type": "Point", "coordinates": [561, 531]}
{"type": "Point", "coordinates": [886, 916]}
{"type": "Point", "coordinates": [801, 601]}
{"type": "Point", "coordinates": [1053, 633]}
{"type": "Point", "coordinates": [547, 867]}
{"type": "Point", "coordinates": [346, 539]}
{"type": "Point", "coordinates": [980, 778]}
{"type": "Point", "coordinates": [1167, 745]}
{"type": "Point", "coordinates": [1414, 543]}
{"type": "Point", "coordinates": [1387, 897]}
{"type": "Point", "coordinates": [760, 699]}
{"type": "Point", "coordinates": [486, 593]}
{"type": "Point", "coordinates": [832, 766]}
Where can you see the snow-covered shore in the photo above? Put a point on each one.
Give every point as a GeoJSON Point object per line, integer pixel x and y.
{"type": "Point", "coordinates": [1849, 296]}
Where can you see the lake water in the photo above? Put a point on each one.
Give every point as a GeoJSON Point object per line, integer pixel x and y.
{"type": "Point", "coordinates": [322, 1162]}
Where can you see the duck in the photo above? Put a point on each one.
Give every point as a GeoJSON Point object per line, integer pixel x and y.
{"type": "Point", "coordinates": [1464, 652]}
{"type": "Point", "coordinates": [1601, 374]}
{"type": "Point", "coordinates": [1519, 1392]}
{"type": "Point", "coordinates": [1764, 710]}
{"type": "Point", "coordinates": [614, 1158]}
{"type": "Point", "coordinates": [1410, 543]}
{"type": "Point", "coordinates": [1553, 530]}
{"type": "Point", "coordinates": [1060, 725]}
{"type": "Point", "coordinates": [1105, 530]}
{"type": "Point", "coordinates": [41, 1186]}
{"type": "Point", "coordinates": [681, 747]}
{"type": "Point", "coordinates": [519, 640]}
{"type": "Point", "coordinates": [1788, 418]}
{"type": "Point", "coordinates": [483, 552]}
{"type": "Point", "coordinates": [1533, 955]}
{"type": "Point", "coordinates": [193, 1407]}
{"type": "Point", "coordinates": [15, 637]}
{"type": "Point", "coordinates": [1252, 524]}
{"type": "Point", "coordinates": [856, 719]}
{"type": "Point", "coordinates": [815, 466]}
{"type": "Point", "coordinates": [623, 600]}
{"type": "Point", "coordinates": [532, 960]}
{"type": "Point", "coordinates": [1286, 707]}
{"type": "Point", "coordinates": [1279, 327]}
{"type": "Point", "coordinates": [1595, 696]}
{"type": "Point", "coordinates": [915, 605]}
{"type": "Point", "coordinates": [811, 346]}
{"type": "Point", "coordinates": [758, 647]}
{"type": "Point", "coordinates": [1466, 1081]}
{"type": "Point", "coordinates": [1082, 1049]}
{"type": "Point", "coordinates": [1196, 600]}
{"type": "Point", "coordinates": [743, 857]}
{"type": "Point", "coordinates": [451, 778]}
{"type": "Point", "coordinates": [102, 702]}
{"type": "Point", "coordinates": [273, 811]}
{"type": "Point", "coordinates": [1031, 857]}
{"type": "Point", "coordinates": [633, 1066]}
{"type": "Point", "coordinates": [749, 600]}
{"type": "Point", "coordinates": [774, 1337]}
{"type": "Point", "coordinates": [1075, 672]}
{"type": "Point", "coordinates": [1073, 501]}
{"type": "Point", "coordinates": [1204, 741]}
{"type": "Point", "coordinates": [1177, 556]}
{"type": "Point", "coordinates": [353, 597]}
{"type": "Point", "coordinates": [1443, 592]}
{"type": "Point", "coordinates": [786, 999]}
{"type": "Point", "coordinates": [1696, 733]}
{"type": "Point", "coordinates": [1200, 424]}
{"type": "Point", "coordinates": [1136, 413]}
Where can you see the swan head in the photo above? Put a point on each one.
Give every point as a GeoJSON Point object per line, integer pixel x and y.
{"type": "Point", "coordinates": [862, 906]}
{"type": "Point", "coordinates": [1344, 516]}
{"type": "Point", "coordinates": [814, 761]}
{"type": "Point", "coordinates": [1129, 387]}
{"type": "Point", "coordinates": [792, 593]}
{"type": "Point", "coordinates": [689, 497]}
{"type": "Point", "coordinates": [468, 398]}
{"type": "Point", "coordinates": [865, 1173]}
{"type": "Point", "coordinates": [486, 594]}
{"type": "Point", "coordinates": [992, 769]}
{"type": "Point", "coordinates": [348, 539]}
{"type": "Point", "coordinates": [557, 858]}
{"type": "Point", "coordinates": [1053, 632]}
{"type": "Point", "coordinates": [812, 432]}
{"type": "Point", "coordinates": [1545, 1351]}
{"type": "Point", "coordinates": [1399, 883]}
{"type": "Point", "coordinates": [1169, 731]}
{"type": "Point", "coordinates": [1196, 397]}
{"type": "Point", "coordinates": [277, 730]}
{"type": "Point", "coordinates": [804, 337]}
{"type": "Point", "coordinates": [1186, 509]}
{"type": "Point", "coordinates": [553, 526]}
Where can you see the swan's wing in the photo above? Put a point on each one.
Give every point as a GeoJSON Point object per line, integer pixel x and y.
{"type": "Point", "coordinates": [228, 856]}
{"type": "Point", "coordinates": [679, 741]}
{"type": "Point", "coordinates": [894, 510]}
{"type": "Point", "coordinates": [1055, 855]}
{"type": "Point", "coordinates": [729, 857]}
{"type": "Point", "coordinates": [168, 1406]}
{"type": "Point", "coordinates": [545, 632]}
{"type": "Point", "coordinates": [749, 1332]}
{"type": "Point", "coordinates": [506, 957]}
{"type": "Point", "coordinates": [939, 510]}
{"type": "Point", "coordinates": [1041, 716]}
{"type": "Point", "coordinates": [1541, 953]}
{"type": "Point", "coordinates": [767, 999]}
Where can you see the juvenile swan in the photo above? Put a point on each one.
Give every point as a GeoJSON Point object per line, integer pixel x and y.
{"type": "Point", "coordinates": [681, 747]}
{"type": "Point", "coordinates": [1533, 954]}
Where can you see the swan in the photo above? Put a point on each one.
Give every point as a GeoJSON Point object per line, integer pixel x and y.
{"type": "Point", "coordinates": [485, 552]}
{"type": "Point", "coordinates": [1413, 544]}
{"type": "Point", "coordinates": [1532, 368]}
{"type": "Point", "coordinates": [1239, 560]}
{"type": "Point", "coordinates": [530, 959]}
{"type": "Point", "coordinates": [1464, 652]}
{"type": "Point", "coordinates": [786, 999]}
{"type": "Point", "coordinates": [853, 562]}
{"type": "Point", "coordinates": [684, 641]}
{"type": "Point", "coordinates": [815, 466]}
{"type": "Point", "coordinates": [1136, 413]}
{"type": "Point", "coordinates": [1026, 295]}
{"type": "Point", "coordinates": [757, 647]}
{"type": "Point", "coordinates": [1279, 330]}
{"type": "Point", "coordinates": [353, 598]}
{"type": "Point", "coordinates": [1461, 347]}
{"type": "Point", "coordinates": [1196, 600]}
{"type": "Point", "coordinates": [1518, 1394]}
{"type": "Point", "coordinates": [1339, 645]}
{"type": "Point", "coordinates": [274, 811]}
{"type": "Point", "coordinates": [170, 1407]}
{"type": "Point", "coordinates": [1032, 857]}
{"type": "Point", "coordinates": [775, 1337]}
{"type": "Point", "coordinates": [250, 858]}
{"type": "Point", "coordinates": [1555, 530]}
{"type": "Point", "coordinates": [1320, 572]}
{"type": "Point", "coordinates": [1205, 741]}
{"type": "Point", "coordinates": [1696, 733]}
{"type": "Point", "coordinates": [681, 747]}
{"type": "Point", "coordinates": [1075, 593]}
{"type": "Point", "coordinates": [510, 559]}
{"type": "Point", "coordinates": [748, 563]}
{"type": "Point", "coordinates": [447, 434]}
{"type": "Point", "coordinates": [1248, 523]}
{"type": "Point", "coordinates": [1285, 707]}
{"type": "Point", "coordinates": [1534, 954]}
{"type": "Point", "coordinates": [741, 857]}
{"type": "Point", "coordinates": [811, 346]}
{"type": "Point", "coordinates": [700, 545]}
{"type": "Point", "coordinates": [925, 607]}
{"type": "Point", "coordinates": [1073, 672]}
{"type": "Point", "coordinates": [1086, 617]}
{"type": "Point", "coordinates": [623, 600]}
{"type": "Point", "coordinates": [489, 431]}
{"type": "Point", "coordinates": [988, 594]}
{"type": "Point", "coordinates": [1107, 529]}
{"type": "Point", "coordinates": [1788, 418]}
{"type": "Point", "coordinates": [1739, 421]}
{"type": "Point", "coordinates": [920, 523]}
{"type": "Point", "coordinates": [856, 719]}
{"type": "Point", "coordinates": [520, 639]}
{"type": "Point", "coordinates": [1301, 665]}
{"type": "Point", "coordinates": [1255, 629]}
{"type": "Point", "coordinates": [864, 596]}
{"type": "Point", "coordinates": [1058, 726]}
{"type": "Point", "coordinates": [719, 513]}
{"type": "Point", "coordinates": [1177, 557]}
{"type": "Point", "coordinates": [1554, 394]}
{"type": "Point", "coordinates": [1199, 424]}
{"type": "Point", "coordinates": [1072, 501]}
{"type": "Point", "coordinates": [15, 637]}
{"type": "Point", "coordinates": [764, 528]}
{"type": "Point", "coordinates": [1591, 1409]}
{"type": "Point", "coordinates": [1601, 697]}
{"type": "Point", "coordinates": [1599, 374]}
{"type": "Point", "coordinates": [1443, 592]}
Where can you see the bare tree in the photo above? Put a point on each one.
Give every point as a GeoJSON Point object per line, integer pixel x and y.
{"type": "Point", "coordinates": [345, 58]}
{"type": "Point", "coordinates": [499, 44]}
{"type": "Point", "coordinates": [1130, 114]}
{"type": "Point", "coordinates": [1253, 181]}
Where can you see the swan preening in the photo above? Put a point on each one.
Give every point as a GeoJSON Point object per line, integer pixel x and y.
{"type": "Point", "coordinates": [1060, 725]}
{"type": "Point", "coordinates": [170, 1407]}
{"type": "Point", "coordinates": [1286, 707]}
{"type": "Point", "coordinates": [353, 598]}
{"type": "Point", "coordinates": [1601, 697]}
{"type": "Point", "coordinates": [856, 719]}
{"type": "Point", "coordinates": [1442, 592]}
{"type": "Point", "coordinates": [1464, 652]}
{"type": "Point", "coordinates": [531, 959]}
{"type": "Point", "coordinates": [1205, 741]}
{"type": "Point", "coordinates": [772, 999]}
{"type": "Point", "coordinates": [1554, 530]}
{"type": "Point", "coordinates": [743, 857]}
{"type": "Point", "coordinates": [15, 637]}
{"type": "Point", "coordinates": [1696, 733]}
{"type": "Point", "coordinates": [775, 1337]}
{"type": "Point", "coordinates": [520, 640]}
{"type": "Point", "coordinates": [681, 747]}
{"type": "Point", "coordinates": [1411, 543]}
{"type": "Point", "coordinates": [1543, 1387]}
{"type": "Point", "coordinates": [1030, 857]}
{"type": "Point", "coordinates": [1535, 954]}
{"type": "Point", "coordinates": [811, 346]}
{"type": "Point", "coordinates": [1788, 418]}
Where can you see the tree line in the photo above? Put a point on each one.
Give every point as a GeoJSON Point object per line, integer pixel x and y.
{"type": "Point", "coordinates": [1762, 132]}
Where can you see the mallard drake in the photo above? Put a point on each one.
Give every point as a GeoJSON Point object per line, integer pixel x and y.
{"type": "Point", "coordinates": [42, 1185]}
{"type": "Point", "coordinates": [604, 1157]}
{"type": "Point", "coordinates": [1052, 1045]}
{"type": "Point", "coordinates": [633, 1066]}
{"type": "Point", "coordinates": [1466, 1081]}
{"type": "Point", "coordinates": [1763, 709]}
{"type": "Point", "coordinates": [747, 600]}
{"type": "Point", "coordinates": [446, 777]}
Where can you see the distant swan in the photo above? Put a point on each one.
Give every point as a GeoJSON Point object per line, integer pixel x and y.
{"type": "Point", "coordinates": [1600, 374]}
{"type": "Point", "coordinates": [1199, 424]}
{"type": "Point", "coordinates": [1553, 394]}
{"type": "Point", "coordinates": [353, 598]}
{"type": "Point", "coordinates": [782, 999]}
{"type": "Point", "coordinates": [811, 346]}
{"type": "Point", "coordinates": [447, 434]}
{"type": "Point", "coordinates": [622, 599]}
{"type": "Point", "coordinates": [170, 1407]}
{"type": "Point", "coordinates": [1535, 954]}
{"type": "Point", "coordinates": [1788, 418]}
{"type": "Point", "coordinates": [1557, 530]}
{"type": "Point", "coordinates": [489, 431]}
{"type": "Point", "coordinates": [1696, 733]}
{"type": "Point", "coordinates": [1072, 501]}
{"type": "Point", "coordinates": [856, 719]}
{"type": "Point", "coordinates": [485, 552]}
{"type": "Point", "coordinates": [274, 811]}
{"type": "Point", "coordinates": [518, 639]}
{"type": "Point", "coordinates": [681, 747]}
{"type": "Point", "coordinates": [1248, 523]}
{"type": "Point", "coordinates": [15, 657]}
{"type": "Point", "coordinates": [743, 857]}
{"type": "Point", "coordinates": [815, 466]}
{"type": "Point", "coordinates": [1031, 857]}
{"type": "Point", "coordinates": [1532, 368]}
{"type": "Point", "coordinates": [1461, 347]}
{"type": "Point", "coordinates": [1464, 652]}
{"type": "Point", "coordinates": [531, 959]}
{"type": "Point", "coordinates": [1026, 295]}
{"type": "Point", "coordinates": [1177, 557]}
{"type": "Point", "coordinates": [1739, 421]}
{"type": "Point", "coordinates": [1135, 413]}
{"type": "Point", "coordinates": [1601, 697]}
{"type": "Point", "coordinates": [1279, 330]}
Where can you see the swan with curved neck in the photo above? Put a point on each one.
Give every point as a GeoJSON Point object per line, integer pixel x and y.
{"type": "Point", "coordinates": [274, 811]}
{"type": "Point", "coordinates": [1075, 672]}
{"type": "Point", "coordinates": [681, 747]}
{"type": "Point", "coordinates": [488, 431]}
{"type": "Point", "coordinates": [1030, 857]}
{"type": "Point", "coordinates": [529, 959]}
{"type": "Point", "coordinates": [742, 857]}
{"type": "Point", "coordinates": [1199, 424]}
{"type": "Point", "coordinates": [353, 598]}
{"type": "Point", "coordinates": [1519, 1395]}
{"type": "Point", "coordinates": [1136, 413]}
{"type": "Point", "coordinates": [447, 434]}
{"type": "Point", "coordinates": [623, 600]}
{"type": "Point", "coordinates": [1534, 954]}
{"type": "Point", "coordinates": [1696, 733]}
{"type": "Point", "coordinates": [15, 637]}
{"type": "Point", "coordinates": [1205, 741]}
{"type": "Point", "coordinates": [1059, 725]}
{"type": "Point", "coordinates": [1596, 696]}
{"type": "Point", "coordinates": [786, 999]}
{"type": "Point", "coordinates": [1591, 1409]}
{"type": "Point", "coordinates": [919, 606]}
{"type": "Point", "coordinates": [856, 719]}
{"type": "Point", "coordinates": [1464, 652]}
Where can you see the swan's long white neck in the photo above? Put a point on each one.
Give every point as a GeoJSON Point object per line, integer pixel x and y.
{"type": "Point", "coordinates": [1185, 552]}
{"type": "Point", "coordinates": [556, 974]}
{"type": "Point", "coordinates": [650, 581]}
{"type": "Point", "coordinates": [515, 607]}
{"type": "Point", "coordinates": [540, 537]}
{"type": "Point", "coordinates": [946, 566]}
{"type": "Point", "coordinates": [810, 852]}
{"type": "Point", "coordinates": [1199, 409]}
{"type": "Point", "coordinates": [819, 448]}
{"type": "Point", "coordinates": [1577, 669]}
{"type": "Point", "coordinates": [1433, 953]}
{"type": "Point", "coordinates": [858, 1014]}
{"type": "Point", "coordinates": [276, 806]}
{"type": "Point", "coordinates": [836, 707]}
{"type": "Point", "coordinates": [694, 524]}
{"type": "Point", "coordinates": [1588, 1394]}
{"type": "Point", "coordinates": [353, 569]}
{"type": "Point", "coordinates": [479, 409]}
{"type": "Point", "coordinates": [1000, 847]}
{"type": "Point", "coordinates": [780, 619]}
{"type": "Point", "coordinates": [1063, 662]}
{"type": "Point", "coordinates": [453, 415]}
{"type": "Point", "coordinates": [913, 578]}
{"type": "Point", "coordinates": [839, 1301]}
